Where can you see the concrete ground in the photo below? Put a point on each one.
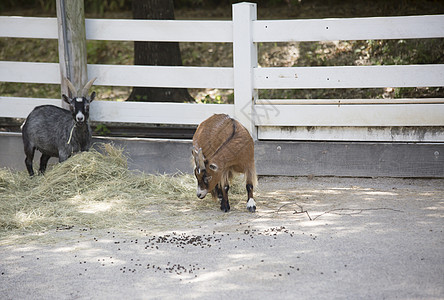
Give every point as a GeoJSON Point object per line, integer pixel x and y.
{"type": "Point", "coordinates": [318, 238]}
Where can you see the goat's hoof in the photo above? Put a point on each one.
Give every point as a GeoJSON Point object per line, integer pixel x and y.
{"type": "Point", "coordinates": [251, 205]}
{"type": "Point", "coordinates": [225, 208]}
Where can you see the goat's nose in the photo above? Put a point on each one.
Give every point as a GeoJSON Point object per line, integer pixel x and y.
{"type": "Point", "coordinates": [80, 117]}
{"type": "Point", "coordinates": [201, 193]}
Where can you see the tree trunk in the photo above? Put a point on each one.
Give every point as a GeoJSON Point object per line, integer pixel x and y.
{"type": "Point", "coordinates": [157, 53]}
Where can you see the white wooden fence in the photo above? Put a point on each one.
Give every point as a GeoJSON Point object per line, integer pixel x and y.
{"type": "Point", "coordinates": [298, 119]}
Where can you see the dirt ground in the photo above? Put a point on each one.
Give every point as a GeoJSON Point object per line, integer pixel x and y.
{"type": "Point", "coordinates": [323, 238]}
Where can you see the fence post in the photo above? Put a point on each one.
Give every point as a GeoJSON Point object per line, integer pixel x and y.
{"type": "Point", "coordinates": [245, 59]}
{"type": "Point", "coordinates": [72, 43]}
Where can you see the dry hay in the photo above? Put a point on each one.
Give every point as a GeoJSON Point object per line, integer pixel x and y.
{"type": "Point", "coordinates": [95, 189]}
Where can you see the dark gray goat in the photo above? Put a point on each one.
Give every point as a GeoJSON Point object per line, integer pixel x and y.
{"type": "Point", "coordinates": [57, 132]}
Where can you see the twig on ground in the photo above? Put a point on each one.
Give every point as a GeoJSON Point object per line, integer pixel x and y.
{"type": "Point", "coordinates": [295, 212]}
{"type": "Point", "coordinates": [337, 211]}
{"type": "Point", "coordinates": [353, 211]}
{"type": "Point", "coordinates": [302, 212]}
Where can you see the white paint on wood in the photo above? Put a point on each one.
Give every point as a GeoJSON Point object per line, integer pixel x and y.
{"type": "Point", "coordinates": [122, 75]}
{"type": "Point", "coordinates": [155, 113]}
{"type": "Point", "coordinates": [349, 77]}
{"type": "Point", "coordinates": [159, 30]}
{"type": "Point", "coordinates": [221, 31]}
{"type": "Point", "coordinates": [29, 72]}
{"type": "Point", "coordinates": [350, 115]}
{"type": "Point", "coordinates": [28, 27]}
{"type": "Point", "coordinates": [349, 29]}
{"type": "Point", "coordinates": [245, 59]}
{"type": "Point", "coordinates": [131, 112]}
{"type": "Point", "coordinates": [349, 101]}
{"type": "Point", "coordinates": [368, 134]}
{"type": "Point", "coordinates": [17, 107]}
{"type": "Point", "coordinates": [123, 30]}
{"type": "Point", "coordinates": [222, 77]}
{"type": "Point", "coordinates": [366, 77]}
{"type": "Point", "coordinates": [160, 76]}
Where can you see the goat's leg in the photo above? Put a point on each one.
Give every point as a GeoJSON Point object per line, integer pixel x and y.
{"type": "Point", "coordinates": [219, 192]}
{"type": "Point", "coordinates": [63, 155]}
{"type": "Point", "coordinates": [43, 163]}
{"type": "Point", "coordinates": [224, 204]}
{"type": "Point", "coordinates": [216, 193]}
{"type": "Point", "coordinates": [29, 152]}
{"type": "Point", "coordinates": [251, 204]}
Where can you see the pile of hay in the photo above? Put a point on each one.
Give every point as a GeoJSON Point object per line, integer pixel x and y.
{"type": "Point", "coordinates": [95, 189]}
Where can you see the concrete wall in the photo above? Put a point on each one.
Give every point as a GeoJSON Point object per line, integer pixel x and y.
{"type": "Point", "coordinates": [272, 157]}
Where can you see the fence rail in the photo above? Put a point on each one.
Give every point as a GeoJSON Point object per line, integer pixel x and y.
{"type": "Point", "coordinates": [222, 77]}
{"type": "Point", "coordinates": [122, 75]}
{"type": "Point", "coordinates": [28, 27]}
{"type": "Point", "coordinates": [349, 115]}
{"type": "Point", "coordinates": [263, 117]}
{"type": "Point", "coordinates": [376, 28]}
{"type": "Point", "coordinates": [349, 77]}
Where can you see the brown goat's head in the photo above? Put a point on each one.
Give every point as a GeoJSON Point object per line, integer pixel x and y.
{"type": "Point", "coordinates": [207, 173]}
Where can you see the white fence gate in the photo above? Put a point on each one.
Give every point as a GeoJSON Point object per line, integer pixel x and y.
{"type": "Point", "coordinates": [298, 119]}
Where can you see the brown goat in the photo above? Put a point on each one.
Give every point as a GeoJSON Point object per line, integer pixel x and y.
{"type": "Point", "coordinates": [221, 147]}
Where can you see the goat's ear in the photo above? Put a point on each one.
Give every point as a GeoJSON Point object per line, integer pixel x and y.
{"type": "Point", "coordinates": [213, 167]}
{"type": "Point", "coordinates": [66, 99]}
{"type": "Point", "coordinates": [93, 95]}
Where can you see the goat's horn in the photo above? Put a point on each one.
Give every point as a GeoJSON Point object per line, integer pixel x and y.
{"type": "Point", "coordinates": [71, 88]}
{"type": "Point", "coordinates": [87, 86]}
